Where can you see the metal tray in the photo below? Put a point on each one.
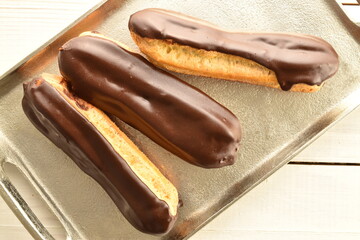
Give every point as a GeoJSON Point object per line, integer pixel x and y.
{"type": "Point", "coordinates": [276, 124]}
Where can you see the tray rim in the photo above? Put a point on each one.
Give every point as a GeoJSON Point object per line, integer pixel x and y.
{"type": "Point", "coordinates": [341, 5]}
{"type": "Point", "coordinates": [34, 226]}
{"type": "Point", "coordinates": [19, 64]}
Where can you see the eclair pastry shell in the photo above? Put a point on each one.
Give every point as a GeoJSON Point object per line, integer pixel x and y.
{"type": "Point", "coordinates": [153, 212]}
{"type": "Point", "coordinates": [185, 44]}
{"type": "Point", "coordinates": [177, 116]}
{"type": "Point", "coordinates": [188, 60]}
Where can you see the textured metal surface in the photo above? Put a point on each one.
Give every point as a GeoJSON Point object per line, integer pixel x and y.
{"type": "Point", "coordinates": [276, 124]}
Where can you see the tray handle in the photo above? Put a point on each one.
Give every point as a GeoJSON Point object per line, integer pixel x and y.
{"type": "Point", "coordinates": [21, 209]}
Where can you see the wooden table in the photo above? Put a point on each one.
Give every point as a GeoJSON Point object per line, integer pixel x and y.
{"type": "Point", "coordinates": [316, 196]}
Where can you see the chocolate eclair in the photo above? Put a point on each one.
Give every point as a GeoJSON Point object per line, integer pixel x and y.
{"type": "Point", "coordinates": [145, 197]}
{"type": "Point", "coordinates": [184, 44]}
{"type": "Point", "coordinates": [177, 116]}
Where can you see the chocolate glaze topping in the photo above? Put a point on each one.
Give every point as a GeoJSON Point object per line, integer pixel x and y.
{"type": "Point", "coordinates": [174, 114]}
{"type": "Point", "coordinates": [81, 141]}
{"type": "Point", "coordinates": [293, 58]}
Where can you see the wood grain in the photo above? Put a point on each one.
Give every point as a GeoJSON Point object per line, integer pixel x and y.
{"type": "Point", "coordinates": [27, 25]}
{"type": "Point", "coordinates": [297, 202]}
{"type": "Point", "coordinates": [338, 145]}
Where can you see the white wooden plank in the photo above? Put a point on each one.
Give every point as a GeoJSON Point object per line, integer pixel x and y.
{"type": "Point", "coordinates": [297, 202]}
{"type": "Point", "coordinates": [339, 144]}
{"type": "Point", "coordinates": [26, 25]}
{"type": "Point", "coordinates": [269, 235]}
{"type": "Point", "coordinates": [348, 1]}
{"type": "Point", "coordinates": [14, 232]}
{"type": "Point", "coordinates": [353, 11]}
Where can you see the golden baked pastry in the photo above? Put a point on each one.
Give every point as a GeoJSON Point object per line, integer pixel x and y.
{"type": "Point", "coordinates": [177, 116]}
{"type": "Point", "coordinates": [188, 45]}
{"type": "Point", "coordinates": [145, 197]}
